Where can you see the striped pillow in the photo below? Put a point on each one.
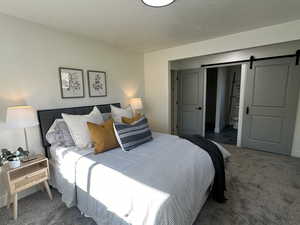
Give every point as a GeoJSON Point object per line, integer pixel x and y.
{"type": "Point", "coordinates": [132, 135]}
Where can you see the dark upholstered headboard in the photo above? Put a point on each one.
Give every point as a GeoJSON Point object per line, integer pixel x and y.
{"type": "Point", "coordinates": [47, 117]}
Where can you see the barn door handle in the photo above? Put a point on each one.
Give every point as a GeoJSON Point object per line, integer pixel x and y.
{"type": "Point", "coordinates": [199, 108]}
{"type": "Point", "coordinates": [247, 110]}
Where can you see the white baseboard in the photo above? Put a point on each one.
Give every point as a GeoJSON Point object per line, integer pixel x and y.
{"type": "Point", "coordinates": [296, 154]}
{"type": "Point", "coordinates": [217, 130]}
{"type": "Point", "coordinates": [3, 198]}
{"type": "Point", "coordinates": [2, 201]}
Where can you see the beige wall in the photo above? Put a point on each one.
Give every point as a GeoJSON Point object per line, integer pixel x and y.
{"type": "Point", "coordinates": [156, 65]}
{"type": "Point", "coordinates": [29, 59]}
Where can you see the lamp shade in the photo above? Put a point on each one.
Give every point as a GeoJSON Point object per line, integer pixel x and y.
{"type": "Point", "coordinates": [21, 117]}
{"type": "Point", "coordinates": [136, 103]}
{"type": "Point", "coordinates": [158, 3]}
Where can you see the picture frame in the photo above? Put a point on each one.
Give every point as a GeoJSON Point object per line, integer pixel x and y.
{"type": "Point", "coordinates": [97, 83]}
{"type": "Point", "coordinates": [71, 82]}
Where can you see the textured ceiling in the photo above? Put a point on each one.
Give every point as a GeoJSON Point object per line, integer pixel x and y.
{"type": "Point", "coordinates": [132, 25]}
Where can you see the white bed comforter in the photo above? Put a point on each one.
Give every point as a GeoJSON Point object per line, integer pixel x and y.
{"type": "Point", "coordinates": [163, 182]}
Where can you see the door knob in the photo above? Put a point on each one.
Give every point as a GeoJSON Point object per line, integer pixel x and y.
{"type": "Point", "coordinates": [199, 108]}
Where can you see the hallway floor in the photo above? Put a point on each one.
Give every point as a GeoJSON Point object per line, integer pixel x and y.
{"type": "Point", "coordinates": [227, 136]}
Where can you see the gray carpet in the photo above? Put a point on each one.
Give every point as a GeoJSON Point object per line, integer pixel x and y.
{"type": "Point", "coordinates": [263, 189]}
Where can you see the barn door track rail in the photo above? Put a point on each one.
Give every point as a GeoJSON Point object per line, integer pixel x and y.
{"type": "Point", "coordinates": [252, 59]}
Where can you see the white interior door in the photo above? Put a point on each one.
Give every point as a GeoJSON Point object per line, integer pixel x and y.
{"type": "Point", "coordinates": [190, 101]}
{"type": "Point", "coordinates": [271, 103]}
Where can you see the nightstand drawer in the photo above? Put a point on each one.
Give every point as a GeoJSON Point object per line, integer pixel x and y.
{"type": "Point", "coordinates": [30, 180]}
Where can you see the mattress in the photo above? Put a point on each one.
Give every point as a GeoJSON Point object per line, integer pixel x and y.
{"type": "Point", "coordinates": [163, 182]}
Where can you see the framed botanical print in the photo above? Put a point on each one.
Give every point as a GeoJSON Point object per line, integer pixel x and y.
{"type": "Point", "coordinates": [97, 83]}
{"type": "Point", "coordinates": [71, 82]}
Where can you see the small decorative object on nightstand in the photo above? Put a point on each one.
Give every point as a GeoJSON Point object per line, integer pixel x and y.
{"type": "Point", "coordinates": [26, 176]}
{"type": "Point", "coordinates": [13, 158]}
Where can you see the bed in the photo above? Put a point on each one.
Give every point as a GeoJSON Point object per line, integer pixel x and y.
{"type": "Point", "coordinates": [162, 182]}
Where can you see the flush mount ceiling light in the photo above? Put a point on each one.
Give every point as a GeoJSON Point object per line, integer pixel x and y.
{"type": "Point", "coordinates": [158, 3]}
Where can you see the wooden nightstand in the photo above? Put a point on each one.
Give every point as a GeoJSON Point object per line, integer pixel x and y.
{"type": "Point", "coordinates": [27, 175]}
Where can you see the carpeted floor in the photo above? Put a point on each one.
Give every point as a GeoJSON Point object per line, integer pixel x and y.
{"type": "Point", "coordinates": [263, 189]}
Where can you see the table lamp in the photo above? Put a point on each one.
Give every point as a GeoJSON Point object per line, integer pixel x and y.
{"type": "Point", "coordinates": [22, 117]}
{"type": "Point", "coordinates": [136, 104]}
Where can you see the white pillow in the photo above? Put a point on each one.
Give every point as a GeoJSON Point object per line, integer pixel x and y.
{"type": "Point", "coordinates": [106, 116]}
{"type": "Point", "coordinates": [117, 113]}
{"type": "Point", "coordinates": [77, 125]}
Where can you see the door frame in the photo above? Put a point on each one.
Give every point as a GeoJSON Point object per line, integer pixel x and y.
{"type": "Point", "coordinates": [174, 100]}
{"type": "Point", "coordinates": [242, 98]}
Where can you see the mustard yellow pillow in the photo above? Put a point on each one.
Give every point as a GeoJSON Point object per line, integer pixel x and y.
{"type": "Point", "coordinates": [136, 117]}
{"type": "Point", "coordinates": [103, 136]}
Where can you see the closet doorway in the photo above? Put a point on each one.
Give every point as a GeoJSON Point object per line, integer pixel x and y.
{"type": "Point", "coordinates": [263, 118]}
{"type": "Point", "coordinates": [222, 103]}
